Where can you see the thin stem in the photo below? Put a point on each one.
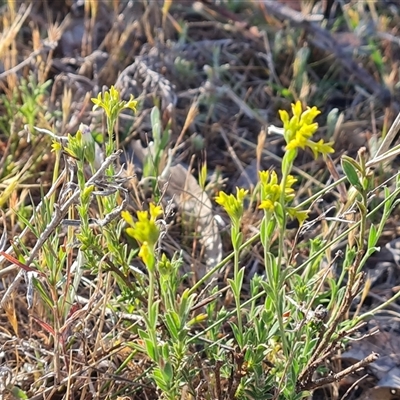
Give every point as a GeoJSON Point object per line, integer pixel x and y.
{"type": "Point", "coordinates": [150, 298]}
{"type": "Point", "coordinates": [280, 276]}
{"type": "Point", "coordinates": [238, 282]}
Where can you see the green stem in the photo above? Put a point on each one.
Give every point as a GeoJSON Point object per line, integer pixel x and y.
{"type": "Point", "coordinates": [55, 177]}
{"type": "Point", "coordinates": [110, 145]}
{"type": "Point", "coordinates": [280, 276]}
{"type": "Point", "coordinates": [150, 298]}
{"type": "Point", "coordinates": [237, 293]}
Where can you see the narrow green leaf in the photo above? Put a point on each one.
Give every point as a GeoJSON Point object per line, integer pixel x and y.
{"type": "Point", "coordinates": [234, 288]}
{"type": "Point", "coordinates": [168, 372]}
{"type": "Point", "coordinates": [271, 227]}
{"type": "Point", "coordinates": [372, 237]}
{"type": "Point", "coordinates": [237, 241]}
{"type": "Point", "coordinates": [18, 393]}
{"type": "Point", "coordinates": [280, 214]}
{"type": "Point", "coordinates": [165, 351]}
{"type": "Point", "coordinates": [353, 162]}
{"type": "Point", "coordinates": [240, 277]}
{"type": "Point", "coordinates": [151, 350]}
{"type": "Point", "coordinates": [361, 207]}
{"type": "Point", "coordinates": [351, 174]}
{"type": "Point", "coordinates": [172, 323]}
{"type": "Point", "coordinates": [160, 379]}
{"type": "Point", "coordinates": [153, 314]}
{"type": "Point", "coordinates": [365, 183]}
{"type": "Point", "coordinates": [143, 334]}
{"type": "Point", "coordinates": [43, 292]}
{"type": "Point", "coordinates": [237, 335]}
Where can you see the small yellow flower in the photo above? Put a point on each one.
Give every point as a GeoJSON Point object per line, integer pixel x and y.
{"type": "Point", "coordinates": [299, 129]}
{"type": "Point", "coordinates": [145, 229]}
{"type": "Point", "coordinates": [301, 216]}
{"type": "Point", "coordinates": [111, 103]}
{"type": "Point", "coordinates": [233, 205]}
{"type": "Point", "coordinates": [271, 190]}
{"type": "Point", "coordinates": [128, 217]}
{"type": "Point", "coordinates": [267, 205]}
{"type": "Point", "coordinates": [320, 147]}
{"type": "Point", "coordinates": [155, 211]}
{"type": "Point", "coordinates": [290, 181]}
{"type": "Point", "coordinates": [56, 146]}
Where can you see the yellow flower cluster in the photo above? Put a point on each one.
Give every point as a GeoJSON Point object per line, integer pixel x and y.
{"type": "Point", "coordinates": [271, 190]}
{"type": "Point", "coordinates": [299, 129]}
{"type": "Point", "coordinates": [233, 205]}
{"type": "Point", "coordinates": [111, 103]}
{"type": "Point", "coordinates": [145, 231]}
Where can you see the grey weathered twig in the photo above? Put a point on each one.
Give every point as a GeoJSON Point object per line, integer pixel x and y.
{"type": "Point", "coordinates": [340, 375]}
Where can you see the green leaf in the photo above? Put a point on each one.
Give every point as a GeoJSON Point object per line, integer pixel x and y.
{"type": "Point", "coordinates": [280, 214]}
{"type": "Point", "coordinates": [362, 208]}
{"type": "Point", "coordinates": [165, 351]}
{"type": "Point", "coordinates": [240, 277]}
{"type": "Point", "coordinates": [151, 350]}
{"type": "Point", "coordinates": [18, 393]}
{"type": "Point", "coordinates": [173, 324]}
{"type": "Point", "coordinates": [288, 160]}
{"type": "Point", "coordinates": [237, 241]}
{"type": "Point", "coordinates": [373, 236]}
{"type": "Point", "coordinates": [270, 227]}
{"type": "Point", "coordinates": [159, 377]}
{"type": "Point", "coordinates": [269, 291]}
{"type": "Point", "coordinates": [43, 293]}
{"type": "Point", "coordinates": [234, 288]}
{"type": "Point", "coordinates": [165, 137]}
{"type": "Point", "coordinates": [351, 173]}
{"type": "Point", "coordinates": [365, 183]}
{"type": "Point", "coordinates": [236, 333]}
{"type": "Point", "coordinates": [153, 315]}
{"type": "Point", "coordinates": [263, 232]}
{"type": "Point", "coordinates": [353, 162]}
{"type": "Point", "coordinates": [186, 304]}
{"type": "Point", "coordinates": [168, 372]}
{"type": "Point", "coordinates": [143, 334]}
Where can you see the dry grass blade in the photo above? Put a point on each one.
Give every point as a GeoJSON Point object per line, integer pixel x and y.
{"type": "Point", "coordinates": [386, 143]}
{"type": "Point", "coordinates": [8, 36]}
